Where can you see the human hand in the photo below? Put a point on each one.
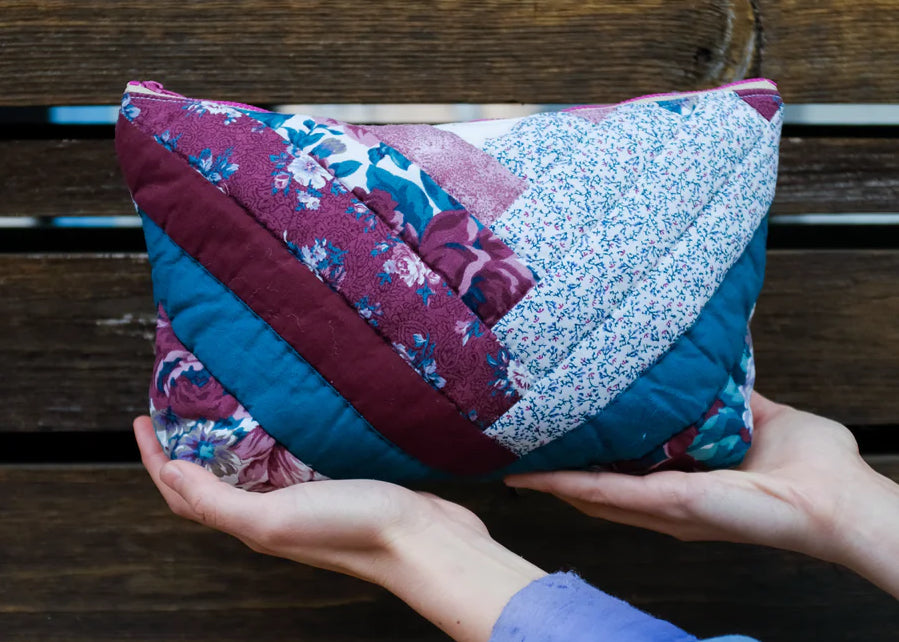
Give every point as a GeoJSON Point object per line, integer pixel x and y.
{"type": "Point", "coordinates": [435, 555]}
{"type": "Point", "coordinates": [803, 487]}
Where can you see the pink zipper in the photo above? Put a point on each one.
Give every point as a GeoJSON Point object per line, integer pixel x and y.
{"type": "Point", "coordinates": [676, 93]}
{"type": "Point", "coordinates": [157, 88]}
{"type": "Point", "coordinates": [701, 91]}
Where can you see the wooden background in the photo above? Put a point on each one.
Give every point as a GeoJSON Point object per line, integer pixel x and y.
{"type": "Point", "coordinates": [89, 552]}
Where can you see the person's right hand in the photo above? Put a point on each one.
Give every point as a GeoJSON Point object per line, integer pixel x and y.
{"type": "Point", "coordinates": [803, 487]}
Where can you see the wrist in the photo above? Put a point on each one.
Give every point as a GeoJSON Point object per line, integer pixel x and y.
{"type": "Point", "coordinates": [866, 542]}
{"type": "Point", "coordinates": [457, 577]}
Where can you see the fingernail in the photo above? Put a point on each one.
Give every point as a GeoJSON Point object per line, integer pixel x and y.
{"type": "Point", "coordinates": [170, 474]}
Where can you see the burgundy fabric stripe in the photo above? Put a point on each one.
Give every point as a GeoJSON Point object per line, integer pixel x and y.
{"type": "Point", "coordinates": [488, 276]}
{"type": "Point", "coordinates": [329, 335]}
{"type": "Point", "coordinates": [765, 101]}
{"type": "Point", "coordinates": [343, 242]}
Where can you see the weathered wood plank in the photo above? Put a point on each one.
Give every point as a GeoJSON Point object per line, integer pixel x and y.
{"type": "Point", "coordinates": [837, 175]}
{"type": "Point", "coordinates": [61, 178]}
{"type": "Point", "coordinates": [81, 177]}
{"type": "Point", "coordinates": [827, 51]}
{"type": "Point", "coordinates": [90, 553]}
{"type": "Point", "coordinates": [350, 51]}
{"type": "Point", "coordinates": [826, 333]}
{"type": "Point", "coordinates": [77, 333]}
{"type": "Point", "coordinates": [466, 50]}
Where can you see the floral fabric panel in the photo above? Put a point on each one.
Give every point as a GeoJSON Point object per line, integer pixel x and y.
{"type": "Point", "coordinates": [720, 439]}
{"type": "Point", "coordinates": [658, 173]}
{"type": "Point", "coordinates": [346, 246]}
{"type": "Point", "coordinates": [197, 420]}
{"type": "Point", "coordinates": [196, 235]}
{"type": "Point", "coordinates": [483, 270]}
{"type": "Point", "coordinates": [476, 179]}
{"type": "Point", "coordinates": [659, 306]}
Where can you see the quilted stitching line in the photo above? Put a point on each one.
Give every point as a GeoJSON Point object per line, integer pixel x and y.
{"type": "Point", "coordinates": [586, 426]}
{"type": "Point", "coordinates": [543, 295]}
{"type": "Point", "coordinates": [708, 400]}
{"type": "Point", "coordinates": [411, 238]}
{"type": "Point", "coordinates": [669, 248]}
{"type": "Point", "coordinates": [489, 334]}
{"type": "Point", "coordinates": [268, 329]}
{"type": "Point", "coordinates": [690, 336]}
{"type": "Point", "coordinates": [513, 326]}
{"type": "Point", "coordinates": [504, 429]}
{"type": "Point", "coordinates": [171, 426]}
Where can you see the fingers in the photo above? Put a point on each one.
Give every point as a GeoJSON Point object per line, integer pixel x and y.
{"type": "Point", "coordinates": [666, 502]}
{"type": "Point", "coordinates": [153, 459]}
{"type": "Point", "coordinates": [193, 492]}
{"type": "Point", "coordinates": [208, 500]}
{"type": "Point", "coordinates": [150, 449]}
{"type": "Point", "coordinates": [629, 517]}
{"type": "Point", "coordinates": [664, 493]}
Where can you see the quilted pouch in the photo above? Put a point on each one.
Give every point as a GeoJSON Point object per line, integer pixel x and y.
{"type": "Point", "coordinates": [411, 302]}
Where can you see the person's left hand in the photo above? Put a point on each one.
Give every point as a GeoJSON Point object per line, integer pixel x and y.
{"type": "Point", "coordinates": [347, 526]}
{"type": "Point", "coordinates": [433, 554]}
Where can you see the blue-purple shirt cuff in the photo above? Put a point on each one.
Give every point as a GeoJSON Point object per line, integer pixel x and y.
{"type": "Point", "coordinates": [563, 607]}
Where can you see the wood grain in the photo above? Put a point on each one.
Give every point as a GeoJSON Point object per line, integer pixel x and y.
{"type": "Point", "coordinates": [81, 177]}
{"type": "Point", "coordinates": [461, 50]}
{"type": "Point", "coordinates": [827, 51]}
{"type": "Point", "coordinates": [835, 175]}
{"type": "Point", "coordinates": [77, 331]}
{"type": "Point", "coordinates": [394, 51]}
{"type": "Point", "coordinates": [826, 334]}
{"type": "Point", "coordinates": [92, 553]}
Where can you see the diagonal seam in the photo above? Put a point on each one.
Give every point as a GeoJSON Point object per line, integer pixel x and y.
{"type": "Point", "coordinates": [389, 352]}
{"type": "Point", "coordinates": [268, 329]}
{"type": "Point", "coordinates": [181, 155]}
{"type": "Point", "coordinates": [586, 331]}
{"type": "Point", "coordinates": [524, 267]}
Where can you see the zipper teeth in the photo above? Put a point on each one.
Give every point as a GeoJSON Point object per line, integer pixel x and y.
{"type": "Point", "coordinates": [142, 88]}
{"type": "Point", "coordinates": [751, 83]}
{"type": "Point", "coordinates": [138, 88]}
{"type": "Point", "coordinates": [757, 83]}
{"type": "Point", "coordinates": [150, 87]}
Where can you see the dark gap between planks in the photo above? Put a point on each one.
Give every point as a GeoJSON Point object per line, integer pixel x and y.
{"type": "Point", "coordinates": [30, 123]}
{"type": "Point", "coordinates": [24, 123]}
{"type": "Point", "coordinates": [49, 239]}
{"type": "Point", "coordinates": [104, 447]}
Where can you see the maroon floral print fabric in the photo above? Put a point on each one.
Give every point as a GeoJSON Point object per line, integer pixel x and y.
{"type": "Point", "coordinates": [341, 241]}
{"type": "Point", "coordinates": [213, 229]}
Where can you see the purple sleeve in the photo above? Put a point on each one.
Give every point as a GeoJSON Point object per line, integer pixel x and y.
{"type": "Point", "coordinates": [563, 607]}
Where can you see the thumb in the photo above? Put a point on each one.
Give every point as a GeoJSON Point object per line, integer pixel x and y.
{"type": "Point", "coordinates": [208, 500]}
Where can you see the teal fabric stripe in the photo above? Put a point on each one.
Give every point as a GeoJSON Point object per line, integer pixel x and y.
{"type": "Point", "coordinates": [286, 395]}
{"type": "Point", "coordinates": [649, 413]}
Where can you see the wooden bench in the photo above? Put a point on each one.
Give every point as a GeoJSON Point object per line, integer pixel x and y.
{"type": "Point", "coordinates": [89, 551]}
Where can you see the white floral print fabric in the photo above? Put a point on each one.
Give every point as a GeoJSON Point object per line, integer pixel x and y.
{"type": "Point", "coordinates": [597, 234]}
{"type": "Point", "coordinates": [630, 333]}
